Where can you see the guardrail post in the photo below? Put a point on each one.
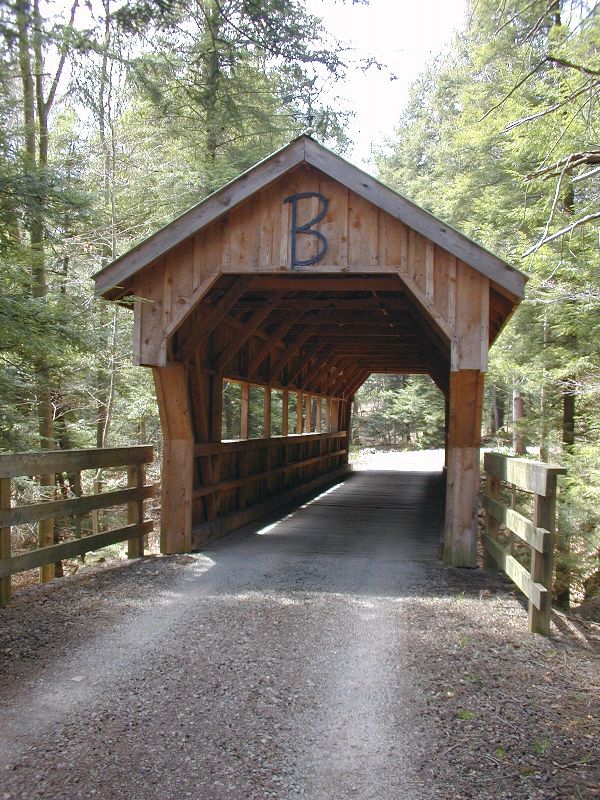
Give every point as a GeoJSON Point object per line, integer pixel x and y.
{"type": "Point", "coordinates": [135, 509]}
{"type": "Point", "coordinates": [544, 516]}
{"type": "Point", "coordinates": [5, 546]}
{"type": "Point", "coordinates": [46, 531]}
{"type": "Point", "coordinates": [492, 525]}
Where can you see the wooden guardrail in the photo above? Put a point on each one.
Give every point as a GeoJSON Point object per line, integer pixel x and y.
{"type": "Point", "coordinates": [46, 464]}
{"type": "Point", "coordinates": [538, 479]}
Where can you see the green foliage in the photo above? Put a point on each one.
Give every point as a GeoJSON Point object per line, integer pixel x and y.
{"type": "Point", "coordinates": [399, 411]}
{"type": "Point", "coordinates": [497, 140]}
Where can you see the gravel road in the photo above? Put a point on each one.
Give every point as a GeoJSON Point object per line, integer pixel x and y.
{"type": "Point", "coordinates": [264, 668]}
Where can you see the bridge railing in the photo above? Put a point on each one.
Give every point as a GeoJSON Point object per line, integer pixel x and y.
{"type": "Point", "coordinates": [45, 465]}
{"type": "Point", "coordinates": [538, 479]}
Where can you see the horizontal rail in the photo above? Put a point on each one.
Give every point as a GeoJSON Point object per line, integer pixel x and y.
{"type": "Point", "coordinates": [76, 547]}
{"type": "Point", "coordinates": [76, 505]}
{"type": "Point", "coordinates": [215, 448]}
{"type": "Point", "coordinates": [235, 483]}
{"type": "Point", "coordinates": [46, 462]}
{"type": "Point", "coordinates": [529, 476]}
{"type": "Point", "coordinates": [539, 538]}
{"type": "Point", "coordinates": [207, 531]}
{"type": "Point", "coordinates": [535, 592]}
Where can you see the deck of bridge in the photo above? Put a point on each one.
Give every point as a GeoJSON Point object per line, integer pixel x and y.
{"type": "Point", "coordinates": [384, 514]}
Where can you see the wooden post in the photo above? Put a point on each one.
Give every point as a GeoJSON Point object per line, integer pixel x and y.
{"type": "Point", "coordinates": [319, 410]}
{"type": "Point", "coordinates": [245, 412]}
{"type": "Point", "coordinates": [307, 412]}
{"type": "Point", "coordinates": [299, 402]}
{"type": "Point", "coordinates": [284, 412]}
{"type": "Point", "coordinates": [178, 458]}
{"type": "Point", "coordinates": [46, 531]}
{"type": "Point", "coordinates": [544, 516]}
{"type": "Point", "coordinates": [135, 510]}
{"type": "Point", "coordinates": [491, 524]}
{"type": "Point", "coordinates": [267, 412]}
{"type": "Point", "coordinates": [5, 544]}
{"type": "Point", "coordinates": [464, 435]}
{"type": "Point", "coordinates": [96, 488]}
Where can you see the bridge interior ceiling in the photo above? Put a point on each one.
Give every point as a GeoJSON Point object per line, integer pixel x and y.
{"type": "Point", "coordinates": [318, 334]}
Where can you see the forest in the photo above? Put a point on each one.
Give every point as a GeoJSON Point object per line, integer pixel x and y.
{"type": "Point", "coordinates": [117, 117]}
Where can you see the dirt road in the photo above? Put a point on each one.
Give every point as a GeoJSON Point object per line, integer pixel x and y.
{"type": "Point", "coordinates": [300, 660]}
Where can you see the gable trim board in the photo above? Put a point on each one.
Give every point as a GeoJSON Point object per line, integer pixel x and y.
{"type": "Point", "coordinates": [110, 280]}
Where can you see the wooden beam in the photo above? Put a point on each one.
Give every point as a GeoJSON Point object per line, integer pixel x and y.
{"type": "Point", "coordinates": [5, 540]}
{"type": "Point", "coordinates": [287, 355]}
{"type": "Point", "coordinates": [172, 393]}
{"type": "Point", "coordinates": [464, 435]}
{"type": "Point", "coordinates": [267, 347]}
{"type": "Point", "coordinates": [214, 315]}
{"type": "Point", "coordinates": [245, 411]}
{"type": "Point", "coordinates": [305, 359]}
{"type": "Point", "coordinates": [240, 339]}
{"type": "Point", "coordinates": [317, 282]}
{"type": "Point", "coordinates": [191, 301]}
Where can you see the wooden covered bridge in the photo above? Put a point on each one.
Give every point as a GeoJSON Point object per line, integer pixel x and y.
{"type": "Point", "coordinates": [295, 282]}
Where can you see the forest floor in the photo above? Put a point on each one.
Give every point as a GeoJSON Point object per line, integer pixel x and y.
{"type": "Point", "coordinates": [269, 667]}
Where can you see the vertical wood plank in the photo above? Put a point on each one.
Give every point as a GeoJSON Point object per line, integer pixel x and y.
{"type": "Point", "coordinates": [491, 525]}
{"type": "Point", "coordinates": [46, 529]}
{"type": "Point", "coordinates": [174, 405]}
{"type": "Point", "coordinates": [135, 510]}
{"type": "Point", "coordinates": [267, 413]}
{"type": "Point", "coordinates": [5, 543]}
{"type": "Point", "coordinates": [429, 263]}
{"type": "Point", "coordinates": [462, 490]}
{"type": "Point", "coordinates": [335, 224]}
{"type": "Point", "coordinates": [284, 412]}
{"type": "Point", "coordinates": [299, 405]}
{"type": "Point", "coordinates": [544, 516]}
{"type": "Point", "coordinates": [245, 411]}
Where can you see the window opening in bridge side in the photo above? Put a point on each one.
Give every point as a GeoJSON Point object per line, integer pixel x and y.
{"type": "Point", "coordinates": [276, 413]}
{"type": "Point", "coordinates": [292, 413]}
{"type": "Point", "coordinates": [324, 415]}
{"type": "Point", "coordinates": [256, 412]}
{"type": "Point", "coordinates": [232, 410]}
{"type": "Point", "coordinates": [315, 413]}
{"type": "Point", "coordinates": [253, 411]}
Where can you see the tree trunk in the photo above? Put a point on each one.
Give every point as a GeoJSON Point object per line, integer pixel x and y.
{"type": "Point", "coordinates": [518, 415]}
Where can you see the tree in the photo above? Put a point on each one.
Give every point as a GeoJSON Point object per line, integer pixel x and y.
{"type": "Point", "coordinates": [499, 139]}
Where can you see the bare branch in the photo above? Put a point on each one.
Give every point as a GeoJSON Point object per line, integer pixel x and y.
{"type": "Point", "coordinates": [513, 90]}
{"type": "Point", "coordinates": [63, 56]}
{"type": "Point", "coordinates": [562, 232]}
{"type": "Point", "coordinates": [567, 163]}
{"type": "Point", "coordinates": [586, 87]}
{"type": "Point", "coordinates": [562, 62]}
{"type": "Point", "coordinates": [586, 175]}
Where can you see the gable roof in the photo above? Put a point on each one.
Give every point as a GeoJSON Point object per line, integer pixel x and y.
{"type": "Point", "coordinates": [308, 151]}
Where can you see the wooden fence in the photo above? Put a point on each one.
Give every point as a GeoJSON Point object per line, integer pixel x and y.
{"type": "Point", "coordinates": [47, 464]}
{"type": "Point", "coordinates": [538, 479]}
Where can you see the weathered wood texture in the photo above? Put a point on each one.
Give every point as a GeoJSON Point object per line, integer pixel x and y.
{"type": "Point", "coordinates": [49, 462]}
{"type": "Point", "coordinates": [538, 479]}
{"type": "Point", "coordinates": [458, 300]}
{"type": "Point", "coordinates": [464, 435]}
{"type": "Point", "coordinates": [216, 295]}
{"type": "Point", "coordinates": [178, 451]}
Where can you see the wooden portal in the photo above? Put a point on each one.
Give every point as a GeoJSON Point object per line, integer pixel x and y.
{"type": "Point", "coordinates": [303, 276]}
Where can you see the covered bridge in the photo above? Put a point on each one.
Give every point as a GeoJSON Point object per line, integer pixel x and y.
{"type": "Point", "coordinates": [297, 280]}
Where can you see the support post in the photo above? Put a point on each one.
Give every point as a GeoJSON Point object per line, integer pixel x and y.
{"type": "Point", "coordinates": [135, 509]}
{"type": "Point", "coordinates": [178, 458]}
{"type": "Point", "coordinates": [5, 544]}
{"type": "Point", "coordinates": [464, 437]}
{"type": "Point", "coordinates": [544, 516]}
{"type": "Point", "coordinates": [46, 529]}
